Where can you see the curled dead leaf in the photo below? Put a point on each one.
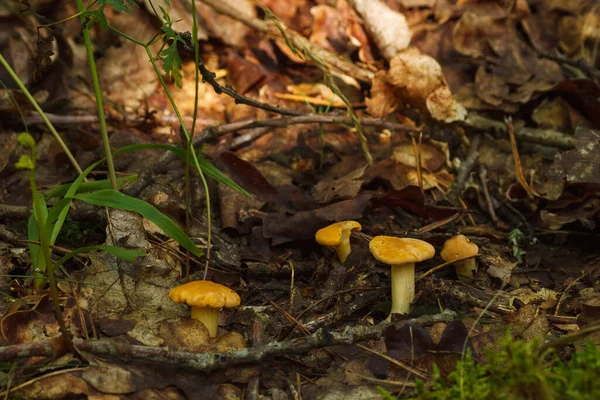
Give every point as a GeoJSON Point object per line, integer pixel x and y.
{"type": "Point", "coordinates": [419, 80]}
{"type": "Point", "coordinates": [388, 28]}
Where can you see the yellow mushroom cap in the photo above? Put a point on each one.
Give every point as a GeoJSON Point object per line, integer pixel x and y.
{"type": "Point", "coordinates": [332, 235]}
{"type": "Point", "coordinates": [458, 247]}
{"type": "Point", "coordinates": [205, 294]}
{"type": "Point", "coordinates": [395, 251]}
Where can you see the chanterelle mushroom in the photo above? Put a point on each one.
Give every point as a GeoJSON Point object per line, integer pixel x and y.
{"type": "Point", "coordinates": [206, 299]}
{"type": "Point", "coordinates": [459, 247]}
{"type": "Point", "coordinates": [338, 235]}
{"type": "Point", "coordinates": [401, 254]}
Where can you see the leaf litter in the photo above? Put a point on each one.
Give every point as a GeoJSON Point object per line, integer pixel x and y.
{"type": "Point", "coordinates": [433, 83]}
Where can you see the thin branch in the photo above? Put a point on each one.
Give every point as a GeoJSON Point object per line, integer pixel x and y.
{"type": "Point", "coordinates": [295, 38]}
{"type": "Point", "coordinates": [214, 361]}
{"type": "Point", "coordinates": [214, 132]}
{"type": "Point", "coordinates": [546, 137]}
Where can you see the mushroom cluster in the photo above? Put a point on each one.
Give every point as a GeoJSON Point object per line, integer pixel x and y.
{"type": "Point", "coordinates": [401, 254]}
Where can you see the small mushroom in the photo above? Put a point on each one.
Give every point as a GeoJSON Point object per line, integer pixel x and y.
{"type": "Point", "coordinates": [338, 235]}
{"type": "Point", "coordinates": [401, 254]}
{"type": "Point", "coordinates": [206, 299]}
{"type": "Point", "coordinates": [459, 247]}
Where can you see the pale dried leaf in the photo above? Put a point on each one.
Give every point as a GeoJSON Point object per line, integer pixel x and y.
{"type": "Point", "coordinates": [382, 101]}
{"type": "Point", "coordinates": [421, 83]}
{"type": "Point", "coordinates": [388, 28]}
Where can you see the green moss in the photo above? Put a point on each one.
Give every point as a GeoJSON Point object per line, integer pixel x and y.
{"type": "Point", "coordinates": [517, 371]}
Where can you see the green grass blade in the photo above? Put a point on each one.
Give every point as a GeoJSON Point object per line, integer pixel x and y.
{"type": "Point", "coordinates": [33, 233]}
{"type": "Point", "coordinates": [206, 166]}
{"type": "Point", "coordinates": [56, 218]}
{"type": "Point", "coordinates": [114, 199]}
{"type": "Point", "coordinates": [86, 187]}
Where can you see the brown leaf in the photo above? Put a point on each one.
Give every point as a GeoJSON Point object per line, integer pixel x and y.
{"type": "Point", "coordinates": [420, 82]}
{"type": "Point", "coordinates": [432, 158]}
{"type": "Point", "coordinates": [328, 29]}
{"type": "Point", "coordinates": [244, 74]}
{"type": "Point", "coordinates": [346, 187]}
{"type": "Point", "coordinates": [411, 199]}
{"type": "Point", "coordinates": [388, 28]}
{"type": "Point", "coordinates": [579, 166]}
{"type": "Point", "coordinates": [587, 214]}
{"type": "Point", "coordinates": [382, 100]}
{"type": "Point", "coordinates": [247, 176]}
{"type": "Point", "coordinates": [304, 224]}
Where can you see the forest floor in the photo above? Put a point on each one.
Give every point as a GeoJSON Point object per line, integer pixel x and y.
{"type": "Point", "coordinates": [416, 119]}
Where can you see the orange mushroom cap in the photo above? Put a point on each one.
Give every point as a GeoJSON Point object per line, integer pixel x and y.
{"type": "Point", "coordinates": [205, 294]}
{"type": "Point", "coordinates": [457, 247]}
{"type": "Point", "coordinates": [395, 251]}
{"type": "Point", "coordinates": [332, 235]}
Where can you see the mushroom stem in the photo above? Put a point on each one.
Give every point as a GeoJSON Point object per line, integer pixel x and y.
{"type": "Point", "coordinates": [403, 288]}
{"type": "Point", "coordinates": [343, 249]}
{"type": "Point", "coordinates": [208, 316]}
{"type": "Point", "coordinates": [465, 268]}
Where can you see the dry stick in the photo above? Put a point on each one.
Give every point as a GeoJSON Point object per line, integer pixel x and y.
{"type": "Point", "coordinates": [444, 265]}
{"type": "Point", "coordinates": [214, 361]}
{"type": "Point", "coordinates": [467, 166]}
{"type": "Point", "coordinates": [518, 166]}
{"type": "Point", "coordinates": [438, 224]}
{"type": "Point", "coordinates": [39, 378]}
{"type": "Point", "coordinates": [214, 132]}
{"type": "Point", "coordinates": [395, 361]}
{"type": "Point", "coordinates": [315, 101]}
{"type": "Point", "coordinates": [241, 140]}
{"type": "Point", "coordinates": [417, 151]}
{"type": "Point", "coordinates": [590, 70]}
{"type": "Point", "coordinates": [210, 78]}
{"type": "Point", "coordinates": [486, 194]}
{"type": "Point", "coordinates": [462, 295]}
{"type": "Point", "coordinates": [546, 137]}
{"type": "Point", "coordinates": [296, 39]}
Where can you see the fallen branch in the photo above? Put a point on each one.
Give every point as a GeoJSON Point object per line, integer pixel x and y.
{"type": "Point", "coordinates": [214, 132]}
{"type": "Point", "coordinates": [295, 38]}
{"type": "Point", "coordinates": [546, 137]}
{"type": "Point", "coordinates": [213, 361]}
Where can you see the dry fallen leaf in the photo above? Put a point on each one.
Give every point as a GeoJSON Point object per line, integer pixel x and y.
{"type": "Point", "coordinates": [382, 100]}
{"type": "Point", "coordinates": [388, 28]}
{"type": "Point", "coordinates": [419, 80]}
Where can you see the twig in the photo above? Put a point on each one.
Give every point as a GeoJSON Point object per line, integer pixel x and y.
{"type": "Point", "coordinates": [213, 132]}
{"type": "Point", "coordinates": [467, 166]}
{"type": "Point", "coordinates": [296, 39]}
{"type": "Point", "coordinates": [569, 338]}
{"type": "Point", "coordinates": [547, 137]}
{"type": "Point", "coordinates": [486, 194]}
{"type": "Point", "coordinates": [12, 211]}
{"type": "Point", "coordinates": [241, 140]}
{"type": "Point", "coordinates": [210, 78]}
{"type": "Point", "coordinates": [444, 265]}
{"type": "Point", "coordinates": [394, 361]}
{"type": "Point", "coordinates": [518, 166]}
{"type": "Point", "coordinates": [590, 70]}
{"type": "Point", "coordinates": [438, 224]}
{"type": "Point", "coordinates": [214, 361]}
{"type": "Point", "coordinates": [315, 101]}
{"type": "Point", "coordinates": [35, 119]}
